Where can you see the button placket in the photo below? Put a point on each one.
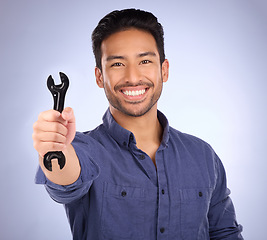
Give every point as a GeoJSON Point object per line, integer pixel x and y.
{"type": "Point", "coordinates": [163, 203]}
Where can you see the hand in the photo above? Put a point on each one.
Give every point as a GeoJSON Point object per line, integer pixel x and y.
{"type": "Point", "coordinates": [53, 131]}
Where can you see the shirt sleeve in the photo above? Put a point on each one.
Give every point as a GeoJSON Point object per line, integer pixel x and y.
{"type": "Point", "coordinates": [89, 172]}
{"type": "Point", "coordinates": [222, 218]}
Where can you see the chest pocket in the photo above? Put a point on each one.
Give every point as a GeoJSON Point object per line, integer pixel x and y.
{"type": "Point", "coordinates": [194, 213]}
{"type": "Point", "coordinates": [122, 212]}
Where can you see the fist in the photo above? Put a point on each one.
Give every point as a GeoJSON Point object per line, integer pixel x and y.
{"type": "Point", "coordinates": [53, 131]}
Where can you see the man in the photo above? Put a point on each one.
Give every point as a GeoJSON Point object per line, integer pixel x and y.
{"type": "Point", "coordinates": [134, 177]}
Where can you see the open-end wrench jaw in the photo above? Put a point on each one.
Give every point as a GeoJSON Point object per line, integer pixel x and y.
{"type": "Point", "coordinates": [48, 157]}
{"type": "Point", "coordinates": [58, 93]}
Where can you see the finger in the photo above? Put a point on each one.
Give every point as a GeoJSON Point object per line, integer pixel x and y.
{"type": "Point", "coordinates": [45, 147]}
{"type": "Point", "coordinates": [51, 116]}
{"type": "Point", "coordinates": [49, 137]}
{"type": "Point", "coordinates": [56, 127]}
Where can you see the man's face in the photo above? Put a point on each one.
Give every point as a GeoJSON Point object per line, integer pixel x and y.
{"type": "Point", "coordinates": [132, 75]}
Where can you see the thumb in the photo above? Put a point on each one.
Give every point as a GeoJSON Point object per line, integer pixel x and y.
{"type": "Point", "coordinates": [68, 115]}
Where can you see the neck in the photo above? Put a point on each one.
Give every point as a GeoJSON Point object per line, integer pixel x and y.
{"type": "Point", "coordinates": [145, 128]}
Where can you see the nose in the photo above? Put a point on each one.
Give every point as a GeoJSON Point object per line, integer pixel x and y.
{"type": "Point", "coordinates": [132, 74]}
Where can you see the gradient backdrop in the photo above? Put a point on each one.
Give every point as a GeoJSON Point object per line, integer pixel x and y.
{"type": "Point", "coordinates": [216, 90]}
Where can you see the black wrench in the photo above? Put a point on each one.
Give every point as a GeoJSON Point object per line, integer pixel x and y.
{"type": "Point", "coordinates": [58, 93]}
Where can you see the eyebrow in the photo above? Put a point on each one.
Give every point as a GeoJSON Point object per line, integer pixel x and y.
{"type": "Point", "coordinates": [113, 57]}
{"type": "Point", "coordinates": [147, 54]}
{"type": "Point", "coordinates": [109, 58]}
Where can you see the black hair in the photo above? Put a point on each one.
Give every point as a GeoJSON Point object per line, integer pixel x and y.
{"type": "Point", "coordinates": [120, 20]}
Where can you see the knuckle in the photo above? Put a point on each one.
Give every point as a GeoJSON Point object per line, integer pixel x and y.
{"type": "Point", "coordinates": [56, 127]}
{"type": "Point", "coordinates": [46, 115]}
{"type": "Point", "coordinates": [57, 138]}
{"type": "Point", "coordinates": [35, 125]}
{"type": "Point", "coordinates": [54, 146]}
{"type": "Point", "coordinates": [34, 136]}
{"type": "Point", "coordinates": [59, 128]}
{"type": "Point", "coordinates": [35, 145]}
{"type": "Point", "coordinates": [40, 115]}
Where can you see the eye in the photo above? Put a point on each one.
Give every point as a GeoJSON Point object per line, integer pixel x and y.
{"type": "Point", "coordinates": [116, 64]}
{"type": "Point", "coordinates": [145, 62]}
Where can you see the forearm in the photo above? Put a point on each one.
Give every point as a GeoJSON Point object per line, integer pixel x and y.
{"type": "Point", "coordinates": [222, 221]}
{"type": "Point", "coordinates": [222, 217]}
{"type": "Point", "coordinates": [69, 173]}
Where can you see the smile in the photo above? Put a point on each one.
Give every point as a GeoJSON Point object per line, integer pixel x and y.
{"type": "Point", "coordinates": [134, 93]}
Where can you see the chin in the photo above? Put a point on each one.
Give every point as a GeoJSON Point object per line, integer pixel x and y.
{"type": "Point", "coordinates": [132, 112]}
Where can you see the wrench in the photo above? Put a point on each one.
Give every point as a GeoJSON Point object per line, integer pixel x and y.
{"type": "Point", "coordinates": [58, 93]}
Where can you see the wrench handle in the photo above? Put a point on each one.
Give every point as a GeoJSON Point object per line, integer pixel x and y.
{"type": "Point", "coordinates": [58, 93]}
{"type": "Point", "coordinates": [59, 98]}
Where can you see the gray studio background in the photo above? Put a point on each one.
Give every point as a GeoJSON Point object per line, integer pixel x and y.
{"type": "Point", "coordinates": [216, 90]}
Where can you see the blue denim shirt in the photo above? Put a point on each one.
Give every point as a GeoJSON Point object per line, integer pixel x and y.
{"type": "Point", "coordinates": [121, 195]}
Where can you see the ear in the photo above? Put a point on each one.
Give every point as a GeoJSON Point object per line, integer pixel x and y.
{"type": "Point", "coordinates": [99, 77]}
{"type": "Point", "coordinates": [165, 70]}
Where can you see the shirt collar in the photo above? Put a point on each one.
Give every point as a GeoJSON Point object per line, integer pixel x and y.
{"type": "Point", "coordinates": [124, 137]}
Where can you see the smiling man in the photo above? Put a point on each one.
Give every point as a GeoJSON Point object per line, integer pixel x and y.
{"type": "Point", "coordinates": [134, 176]}
{"type": "Point", "coordinates": [132, 72]}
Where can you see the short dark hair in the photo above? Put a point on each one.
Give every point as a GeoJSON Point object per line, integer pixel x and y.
{"type": "Point", "coordinates": [120, 20]}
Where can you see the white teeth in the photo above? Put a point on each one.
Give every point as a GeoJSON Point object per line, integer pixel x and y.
{"type": "Point", "coordinates": [134, 93]}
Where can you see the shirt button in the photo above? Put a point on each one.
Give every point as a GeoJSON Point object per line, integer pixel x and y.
{"type": "Point", "coordinates": [162, 230]}
{"type": "Point", "coordinates": [162, 191]}
{"type": "Point", "coordinates": [131, 137]}
{"type": "Point", "coordinates": [200, 194]}
{"type": "Point", "coordinates": [123, 193]}
{"type": "Point", "coordinates": [142, 157]}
